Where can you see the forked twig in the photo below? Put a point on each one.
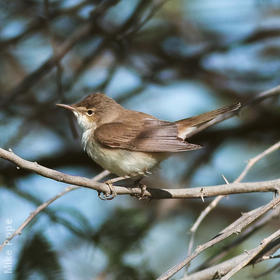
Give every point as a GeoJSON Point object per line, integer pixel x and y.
{"type": "Point", "coordinates": [251, 254]}
{"type": "Point", "coordinates": [216, 201]}
{"type": "Point", "coordinates": [235, 228]}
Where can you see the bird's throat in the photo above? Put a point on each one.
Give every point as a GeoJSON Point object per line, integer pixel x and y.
{"type": "Point", "coordinates": [87, 137]}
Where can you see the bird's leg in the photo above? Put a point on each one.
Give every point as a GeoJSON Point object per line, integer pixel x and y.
{"type": "Point", "coordinates": [142, 186]}
{"type": "Point", "coordinates": [113, 192]}
{"type": "Point", "coordinates": [117, 179]}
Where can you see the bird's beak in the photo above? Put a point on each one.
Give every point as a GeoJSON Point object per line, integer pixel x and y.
{"type": "Point", "coordinates": [68, 107]}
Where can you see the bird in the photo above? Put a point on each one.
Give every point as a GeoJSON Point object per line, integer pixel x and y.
{"type": "Point", "coordinates": [130, 144]}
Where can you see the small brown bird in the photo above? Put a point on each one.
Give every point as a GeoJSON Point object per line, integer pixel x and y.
{"type": "Point", "coordinates": [130, 143]}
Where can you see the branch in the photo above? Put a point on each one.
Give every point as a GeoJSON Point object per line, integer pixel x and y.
{"type": "Point", "coordinates": [62, 50]}
{"type": "Point", "coordinates": [255, 159]}
{"type": "Point", "coordinates": [45, 205]}
{"type": "Point", "coordinates": [235, 228]}
{"type": "Point", "coordinates": [243, 236]}
{"type": "Point", "coordinates": [36, 75]}
{"type": "Point", "coordinates": [263, 95]}
{"type": "Point", "coordinates": [155, 193]}
{"type": "Point", "coordinates": [36, 24]}
{"type": "Point", "coordinates": [34, 214]}
{"type": "Point", "coordinates": [216, 201]}
{"type": "Point", "coordinates": [251, 254]}
{"type": "Point", "coordinates": [217, 270]}
{"type": "Point", "coordinates": [223, 268]}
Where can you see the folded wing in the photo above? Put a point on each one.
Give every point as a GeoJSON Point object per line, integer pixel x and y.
{"type": "Point", "coordinates": [151, 135]}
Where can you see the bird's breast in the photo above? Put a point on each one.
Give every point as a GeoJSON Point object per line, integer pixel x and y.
{"type": "Point", "coordinates": [120, 161]}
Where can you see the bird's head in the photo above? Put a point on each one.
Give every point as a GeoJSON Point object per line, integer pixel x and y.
{"type": "Point", "coordinates": [95, 109]}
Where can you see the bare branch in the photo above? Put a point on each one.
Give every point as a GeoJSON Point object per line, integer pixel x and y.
{"type": "Point", "coordinates": [200, 218]}
{"type": "Point", "coordinates": [35, 76]}
{"type": "Point", "coordinates": [243, 236]}
{"type": "Point", "coordinates": [155, 193]}
{"type": "Point", "coordinates": [45, 205]}
{"type": "Point", "coordinates": [254, 160]}
{"type": "Point", "coordinates": [263, 95]}
{"type": "Point", "coordinates": [251, 254]}
{"type": "Point", "coordinates": [216, 270]}
{"type": "Point", "coordinates": [61, 51]}
{"type": "Point", "coordinates": [223, 268]}
{"type": "Point", "coordinates": [235, 228]}
{"type": "Point", "coordinates": [216, 201]}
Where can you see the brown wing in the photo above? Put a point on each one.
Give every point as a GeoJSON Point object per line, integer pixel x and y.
{"type": "Point", "coordinates": [149, 136]}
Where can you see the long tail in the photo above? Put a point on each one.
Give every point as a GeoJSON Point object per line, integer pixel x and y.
{"type": "Point", "coordinates": [188, 127]}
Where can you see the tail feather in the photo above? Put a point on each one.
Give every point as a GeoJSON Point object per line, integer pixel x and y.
{"type": "Point", "coordinates": [189, 125]}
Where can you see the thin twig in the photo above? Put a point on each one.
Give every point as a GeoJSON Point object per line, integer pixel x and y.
{"type": "Point", "coordinates": [251, 254]}
{"type": "Point", "coordinates": [224, 267]}
{"type": "Point", "coordinates": [200, 218]}
{"type": "Point", "coordinates": [235, 228]}
{"type": "Point", "coordinates": [156, 5]}
{"type": "Point", "coordinates": [257, 158]}
{"type": "Point", "coordinates": [263, 95]}
{"type": "Point", "coordinates": [36, 75]}
{"type": "Point", "coordinates": [243, 236]}
{"type": "Point", "coordinates": [44, 205]}
{"type": "Point", "coordinates": [78, 35]}
{"type": "Point", "coordinates": [215, 202]}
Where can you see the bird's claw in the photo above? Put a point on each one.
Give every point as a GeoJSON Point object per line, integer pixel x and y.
{"type": "Point", "coordinates": [143, 188]}
{"type": "Point", "coordinates": [108, 195]}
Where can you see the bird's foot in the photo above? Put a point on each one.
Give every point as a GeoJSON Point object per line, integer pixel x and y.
{"type": "Point", "coordinates": [108, 195]}
{"type": "Point", "coordinates": [143, 188]}
{"type": "Point", "coordinates": [112, 194]}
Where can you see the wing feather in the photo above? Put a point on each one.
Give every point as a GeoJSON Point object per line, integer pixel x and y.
{"type": "Point", "coordinates": [150, 135]}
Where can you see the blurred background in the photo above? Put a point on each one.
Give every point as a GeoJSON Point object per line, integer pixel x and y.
{"type": "Point", "coordinates": [172, 59]}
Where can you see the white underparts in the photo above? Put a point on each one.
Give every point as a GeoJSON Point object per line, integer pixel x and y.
{"type": "Point", "coordinates": [121, 162]}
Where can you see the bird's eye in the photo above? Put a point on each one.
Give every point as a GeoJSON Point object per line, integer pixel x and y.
{"type": "Point", "coordinates": [89, 112]}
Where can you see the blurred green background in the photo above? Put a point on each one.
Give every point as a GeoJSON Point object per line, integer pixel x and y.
{"type": "Point", "coordinates": [172, 59]}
